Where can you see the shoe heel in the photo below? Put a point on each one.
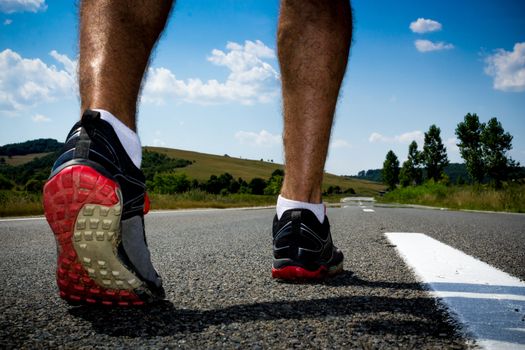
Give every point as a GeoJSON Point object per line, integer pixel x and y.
{"type": "Point", "coordinates": [298, 273]}
{"type": "Point", "coordinates": [83, 209]}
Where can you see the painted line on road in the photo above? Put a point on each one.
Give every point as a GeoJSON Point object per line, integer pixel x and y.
{"type": "Point", "coordinates": [203, 210]}
{"type": "Point", "coordinates": [367, 210]}
{"type": "Point", "coordinates": [489, 303]}
{"type": "Point", "coordinates": [23, 219]}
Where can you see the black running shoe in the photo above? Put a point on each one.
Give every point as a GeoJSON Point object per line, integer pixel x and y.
{"type": "Point", "coordinates": [95, 202]}
{"type": "Point", "coordinates": [303, 248]}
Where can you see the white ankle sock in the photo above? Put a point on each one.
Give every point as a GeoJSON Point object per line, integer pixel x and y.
{"type": "Point", "coordinates": [284, 204]}
{"type": "Point", "coordinates": [128, 138]}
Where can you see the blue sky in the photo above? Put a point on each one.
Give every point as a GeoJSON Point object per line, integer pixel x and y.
{"type": "Point", "coordinates": [213, 84]}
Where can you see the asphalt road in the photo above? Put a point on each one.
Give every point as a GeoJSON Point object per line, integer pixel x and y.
{"type": "Point", "coordinates": [216, 267]}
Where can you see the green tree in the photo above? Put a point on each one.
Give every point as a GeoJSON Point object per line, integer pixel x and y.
{"type": "Point", "coordinates": [243, 186]}
{"type": "Point", "coordinates": [434, 156]}
{"type": "Point", "coordinates": [404, 174]}
{"type": "Point", "coordinates": [170, 183]}
{"type": "Point", "coordinates": [495, 143]}
{"type": "Point", "coordinates": [333, 190]}
{"type": "Point", "coordinates": [275, 182]}
{"type": "Point", "coordinates": [470, 147]}
{"type": "Point", "coordinates": [224, 183]}
{"type": "Point", "coordinates": [391, 170]}
{"type": "Point", "coordinates": [257, 185]}
{"type": "Point", "coordinates": [5, 183]}
{"type": "Point", "coordinates": [34, 185]}
{"type": "Point", "coordinates": [349, 191]}
{"type": "Point", "coordinates": [411, 173]}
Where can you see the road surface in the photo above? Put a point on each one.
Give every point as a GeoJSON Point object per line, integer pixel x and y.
{"type": "Point", "coordinates": [216, 268]}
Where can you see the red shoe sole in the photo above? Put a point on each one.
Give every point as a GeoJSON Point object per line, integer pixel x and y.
{"type": "Point", "coordinates": [292, 273]}
{"type": "Point", "coordinates": [75, 189]}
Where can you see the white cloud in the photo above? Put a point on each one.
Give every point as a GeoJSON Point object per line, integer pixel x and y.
{"type": "Point", "coordinates": [69, 65]}
{"type": "Point", "coordinates": [428, 46]}
{"type": "Point", "coordinates": [26, 82]}
{"type": "Point", "coordinates": [406, 137]}
{"type": "Point", "coordinates": [376, 137]}
{"type": "Point", "coordinates": [507, 68]}
{"type": "Point", "coordinates": [340, 143]}
{"type": "Point", "coordinates": [423, 25]}
{"type": "Point", "coordinates": [10, 6]}
{"type": "Point", "coordinates": [262, 138]}
{"type": "Point", "coordinates": [251, 79]}
{"type": "Point", "coordinates": [8, 21]}
{"type": "Point", "coordinates": [39, 118]}
{"type": "Point", "coordinates": [451, 144]}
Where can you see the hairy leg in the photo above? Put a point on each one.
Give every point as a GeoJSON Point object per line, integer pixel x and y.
{"type": "Point", "coordinates": [116, 39]}
{"type": "Point", "coordinates": [313, 43]}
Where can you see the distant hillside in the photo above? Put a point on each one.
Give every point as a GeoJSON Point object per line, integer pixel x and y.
{"type": "Point", "coordinates": [454, 171]}
{"type": "Point", "coordinates": [20, 169]}
{"type": "Point", "coordinates": [370, 175]}
{"type": "Point", "coordinates": [31, 146]}
{"type": "Point", "coordinates": [204, 165]}
{"type": "Point", "coordinates": [30, 175]}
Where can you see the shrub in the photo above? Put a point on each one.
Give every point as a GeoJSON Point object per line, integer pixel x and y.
{"type": "Point", "coordinates": [170, 183]}
{"type": "Point", "coordinates": [5, 183]}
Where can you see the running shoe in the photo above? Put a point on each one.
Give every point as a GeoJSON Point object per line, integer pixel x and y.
{"type": "Point", "coordinates": [303, 248]}
{"type": "Point", "coordinates": [94, 201]}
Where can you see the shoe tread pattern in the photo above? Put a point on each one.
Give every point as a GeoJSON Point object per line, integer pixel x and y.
{"type": "Point", "coordinates": [81, 204]}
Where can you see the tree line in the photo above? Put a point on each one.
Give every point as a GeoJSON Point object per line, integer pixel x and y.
{"type": "Point", "coordinates": [162, 173]}
{"type": "Point", "coordinates": [32, 146]}
{"type": "Point", "coordinates": [483, 147]}
{"type": "Point", "coordinates": [224, 184]}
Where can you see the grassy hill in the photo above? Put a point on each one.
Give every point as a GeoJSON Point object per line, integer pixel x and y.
{"type": "Point", "coordinates": [25, 167]}
{"type": "Point", "coordinates": [23, 159]}
{"type": "Point", "coordinates": [205, 165]}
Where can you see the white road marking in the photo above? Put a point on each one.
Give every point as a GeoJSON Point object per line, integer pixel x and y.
{"type": "Point", "coordinates": [23, 219]}
{"type": "Point", "coordinates": [203, 210]}
{"type": "Point", "coordinates": [357, 199]}
{"type": "Point", "coordinates": [488, 302]}
{"type": "Point", "coordinates": [367, 210]}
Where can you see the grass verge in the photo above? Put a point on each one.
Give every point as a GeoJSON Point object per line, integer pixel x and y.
{"type": "Point", "coordinates": [18, 203]}
{"type": "Point", "coordinates": [511, 198]}
{"type": "Point", "coordinates": [200, 199]}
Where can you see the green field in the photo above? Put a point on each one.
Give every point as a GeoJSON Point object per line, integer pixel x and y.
{"type": "Point", "coordinates": [19, 203]}
{"type": "Point", "coordinates": [19, 160]}
{"type": "Point", "coordinates": [206, 165]}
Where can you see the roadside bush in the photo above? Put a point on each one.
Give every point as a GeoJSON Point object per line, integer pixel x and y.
{"type": "Point", "coordinates": [34, 185]}
{"type": "Point", "coordinates": [273, 187]}
{"type": "Point", "coordinates": [349, 191]}
{"type": "Point", "coordinates": [479, 197]}
{"type": "Point", "coordinates": [257, 185]}
{"type": "Point", "coordinates": [5, 183]}
{"type": "Point", "coordinates": [169, 183]}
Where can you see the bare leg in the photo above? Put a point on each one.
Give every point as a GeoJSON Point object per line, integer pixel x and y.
{"type": "Point", "coordinates": [116, 39]}
{"type": "Point", "coordinates": [313, 41]}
